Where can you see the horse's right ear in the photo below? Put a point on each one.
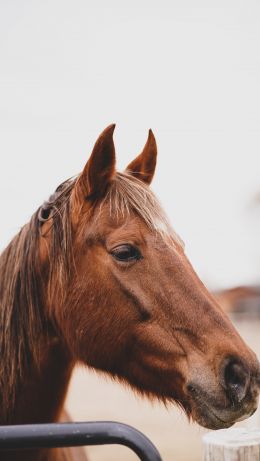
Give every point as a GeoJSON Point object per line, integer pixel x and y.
{"type": "Point", "coordinates": [99, 170]}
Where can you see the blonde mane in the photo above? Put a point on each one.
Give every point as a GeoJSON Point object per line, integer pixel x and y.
{"type": "Point", "coordinates": [128, 194]}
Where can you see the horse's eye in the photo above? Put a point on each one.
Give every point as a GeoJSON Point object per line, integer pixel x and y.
{"type": "Point", "coordinates": [126, 253]}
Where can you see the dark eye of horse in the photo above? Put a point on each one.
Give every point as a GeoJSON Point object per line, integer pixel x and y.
{"type": "Point", "coordinates": [126, 253]}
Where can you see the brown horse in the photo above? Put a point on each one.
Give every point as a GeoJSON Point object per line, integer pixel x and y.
{"type": "Point", "coordinates": [99, 277]}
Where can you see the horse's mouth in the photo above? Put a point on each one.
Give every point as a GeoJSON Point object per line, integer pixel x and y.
{"type": "Point", "coordinates": [208, 418]}
{"type": "Point", "coordinates": [205, 413]}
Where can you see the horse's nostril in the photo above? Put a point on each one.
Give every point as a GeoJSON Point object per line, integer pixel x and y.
{"type": "Point", "coordinates": [236, 379]}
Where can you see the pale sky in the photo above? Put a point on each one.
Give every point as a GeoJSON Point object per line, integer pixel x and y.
{"type": "Point", "coordinates": [190, 70]}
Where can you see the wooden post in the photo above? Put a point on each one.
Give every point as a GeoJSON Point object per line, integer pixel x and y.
{"type": "Point", "coordinates": [237, 444]}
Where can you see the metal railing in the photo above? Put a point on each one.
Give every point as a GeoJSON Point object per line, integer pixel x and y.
{"type": "Point", "coordinates": [55, 435]}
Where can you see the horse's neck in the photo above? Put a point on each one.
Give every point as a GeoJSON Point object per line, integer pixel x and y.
{"type": "Point", "coordinates": [35, 391]}
{"type": "Point", "coordinates": [38, 391]}
{"type": "Point", "coordinates": [40, 397]}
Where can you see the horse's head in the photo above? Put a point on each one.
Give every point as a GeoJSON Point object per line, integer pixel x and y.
{"type": "Point", "coordinates": [133, 305]}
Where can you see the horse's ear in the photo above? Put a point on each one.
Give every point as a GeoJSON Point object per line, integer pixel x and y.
{"type": "Point", "coordinates": [143, 166]}
{"type": "Point", "coordinates": [100, 168]}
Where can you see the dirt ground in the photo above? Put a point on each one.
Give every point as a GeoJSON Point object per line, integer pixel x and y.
{"type": "Point", "coordinates": [93, 397]}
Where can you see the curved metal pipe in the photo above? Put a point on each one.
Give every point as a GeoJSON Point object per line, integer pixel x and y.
{"type": "Point", "coordinates": [58, 435]}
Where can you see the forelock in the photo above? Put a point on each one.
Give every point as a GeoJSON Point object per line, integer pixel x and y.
{"type": "Point", "coordinates": [127, 194]}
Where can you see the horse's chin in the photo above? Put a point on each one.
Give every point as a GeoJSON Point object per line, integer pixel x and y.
{"type": "Point", "coordinates": [210, 418]}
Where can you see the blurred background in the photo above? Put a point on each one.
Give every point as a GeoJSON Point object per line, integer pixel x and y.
{"type": "Point", "coordinates": [190, 70]}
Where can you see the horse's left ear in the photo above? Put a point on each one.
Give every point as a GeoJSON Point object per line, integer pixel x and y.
{"type": "Point", "coordinates": [143, 166]}
{"type": "Point", "coordinates": [100, 168]}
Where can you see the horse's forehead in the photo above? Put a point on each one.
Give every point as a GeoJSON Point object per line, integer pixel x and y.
{"type": "Point", "coordinates": [131, 228]}
{"type": "Point", "coordinates": [106, 219]}
{"type": "Point", "coordinates": [134, 231]}
{"type": "Point", "coordinates": [106, 224]}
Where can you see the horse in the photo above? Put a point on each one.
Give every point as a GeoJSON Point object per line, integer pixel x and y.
{"type": "Point", "coordinates": [99, 277]}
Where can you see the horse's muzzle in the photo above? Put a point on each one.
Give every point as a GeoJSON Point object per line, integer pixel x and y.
{"type": "Point", "coordinates": [234, 399]}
